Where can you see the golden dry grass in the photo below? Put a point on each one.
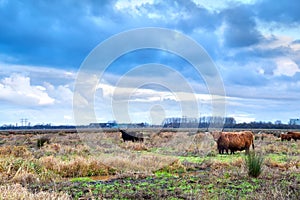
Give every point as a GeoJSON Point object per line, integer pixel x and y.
{"type": "Point", "coordinates": [135, 162]}
{"type": "Point", "coordinates": [289, 165]}
{"type": "Point", "coordinates": [76, 167]}
{"type": "Point", "coordinates": [17, 192]}
{"type": "Point", "coordinates": [22, 170]}
{"type": "Point", "coordinates": [135, 146]}
{"type": "Point", "coordinates": [16, 151]}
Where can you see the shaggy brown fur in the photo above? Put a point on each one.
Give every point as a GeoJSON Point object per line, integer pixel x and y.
{"type": "Point", "coordinates": [235, 141]}
{"type": "Point", "coordinates": [294, 135]}
{"type": "Point", "coordinates": [285, 137]}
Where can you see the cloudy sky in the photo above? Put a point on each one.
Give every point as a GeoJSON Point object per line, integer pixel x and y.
{"type": "Point", "coordinates": [255, 45]}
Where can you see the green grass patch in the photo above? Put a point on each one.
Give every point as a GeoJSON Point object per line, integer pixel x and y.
{"type": "Point", "coordinates": [82, 179]}
{"type": "Point", "coordinates": [223, 158]}
{"type": "Point", "coordinates": [163, 174]}
{"type": "Point", "coordinates": [281, 158]}
{"type": "Point", "coordinates": [228, 158]}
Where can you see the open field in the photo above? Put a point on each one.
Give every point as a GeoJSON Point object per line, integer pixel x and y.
{"type": "Point", "coordinates": [169, 164]}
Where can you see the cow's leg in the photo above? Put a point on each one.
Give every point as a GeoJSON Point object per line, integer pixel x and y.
{"type": "Point", "coordinates": [247, 150]}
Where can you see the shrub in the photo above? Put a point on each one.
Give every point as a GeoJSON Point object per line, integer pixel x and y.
{"type": "Point", "coordinates": [254, 164]}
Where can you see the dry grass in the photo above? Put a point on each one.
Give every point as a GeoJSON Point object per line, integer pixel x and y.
{"type": "Point", "coordinates": [17, 192]}
{"type": "Point", "coordinates": [289, 165]}
{"type": "Point", "coordinates": [62, 149]}
{"type": "Point", "coordinates": [216, 165]}
{"type": "Point", "coordinates": [202, 144]}
{"type": "Point", "coordinates": [275, 148]}
{"type": "Point", "coordinates": [175, 166]}
{"type": "Point", "coordinates": [16, 151]}
{"type": "Point", "coordinates": [135, 162]}
{"type": "Point", "coordinates": [22, 170]}
{"type": "Point", "coordinates": [76, 167]}
{"type": "Point", "coordinates": [239, 162]}
{"type": "Point", "coordinates": [135, 146]}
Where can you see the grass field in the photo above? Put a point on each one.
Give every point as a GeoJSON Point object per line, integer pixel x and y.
{"type": "Point", "coordinates": [167, 165]}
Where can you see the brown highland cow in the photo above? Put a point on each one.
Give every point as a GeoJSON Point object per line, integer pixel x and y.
{"type": "Point", "coordinates": [294, 135]}
{"type": "Point", "coordinates": [235, 141]}
{"type": "Point", "coordinates": [285, 136]}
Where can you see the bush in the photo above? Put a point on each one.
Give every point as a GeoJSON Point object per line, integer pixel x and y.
{"type": "Point", "coordinates": [254, 164]}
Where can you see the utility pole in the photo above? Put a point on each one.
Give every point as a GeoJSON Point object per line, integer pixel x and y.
{"type": "Point", "coordinates": [24, 121]}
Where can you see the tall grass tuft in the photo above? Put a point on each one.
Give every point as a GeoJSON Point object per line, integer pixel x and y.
{"type": "Point", "coordinates": [254, 164]}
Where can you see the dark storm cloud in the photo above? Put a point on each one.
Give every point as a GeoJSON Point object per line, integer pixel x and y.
{"type": "Point", "coordinates": [240, 28]}
{"type": "Point", "coordinates": [49, 32]}
{"type": "Point", "coordinates": [62, 33]}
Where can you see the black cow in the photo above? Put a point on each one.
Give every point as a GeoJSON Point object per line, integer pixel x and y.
{"type": "Point", "coordinates": [132, 136]}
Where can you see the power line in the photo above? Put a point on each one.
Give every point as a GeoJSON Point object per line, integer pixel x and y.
{"type": "Point", "coordinates": [24, 121]}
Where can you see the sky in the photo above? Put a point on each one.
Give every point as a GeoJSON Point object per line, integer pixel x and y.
{"type": "Point", "coordinates": [254, 44]}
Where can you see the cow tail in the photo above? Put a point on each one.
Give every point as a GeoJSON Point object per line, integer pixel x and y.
{"type": "Point", "coordinates": [252, 144]}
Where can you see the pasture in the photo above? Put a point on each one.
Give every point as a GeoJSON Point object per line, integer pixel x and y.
{"type": "Point", "coordinates": [168, 164]}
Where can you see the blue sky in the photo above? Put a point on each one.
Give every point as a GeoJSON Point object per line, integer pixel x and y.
{"type": "Point", "coordinates": [255, 45]}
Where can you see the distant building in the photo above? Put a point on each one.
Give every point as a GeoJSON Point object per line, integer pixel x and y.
{"type": "Point", "coordinates": [103, 125]}
{"type": "Point", "coordinates": [133, 125]}
{"type": "Point", "coordinates": [294, 122]}
{"type": "Point", "coordinates": [278, 122]}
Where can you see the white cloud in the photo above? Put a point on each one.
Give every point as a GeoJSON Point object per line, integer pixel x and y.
{"type": "Point", "coordinates": [40, 94]}
{"type": "Point", "coordinates": [38, 74]}
{"type": "Point", "coordinates": [131, 5]}
{"type": "Point", "coordinates": [68, 117]}
{"type": "Point", "coordinates": [217, 5]}
{"type": "Point", "coordinates": [18, 89]}
{"type": "Point", "coordinates": [295, 46]}
{"type": "Point", "coordinates": [149, 94]}
{"type": "Point", "coordinates": [242, 117]}
{"type": "Point", "coordinates": [275, 42]}
{"type": "Point", "coordinates": [286, 66]}
{"type": "Point", "coordinates": [28, 85]}
{"type": "Point", "coordinates": [280, 30]}
{"type": "Point", "coordinates": [61, 93]}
